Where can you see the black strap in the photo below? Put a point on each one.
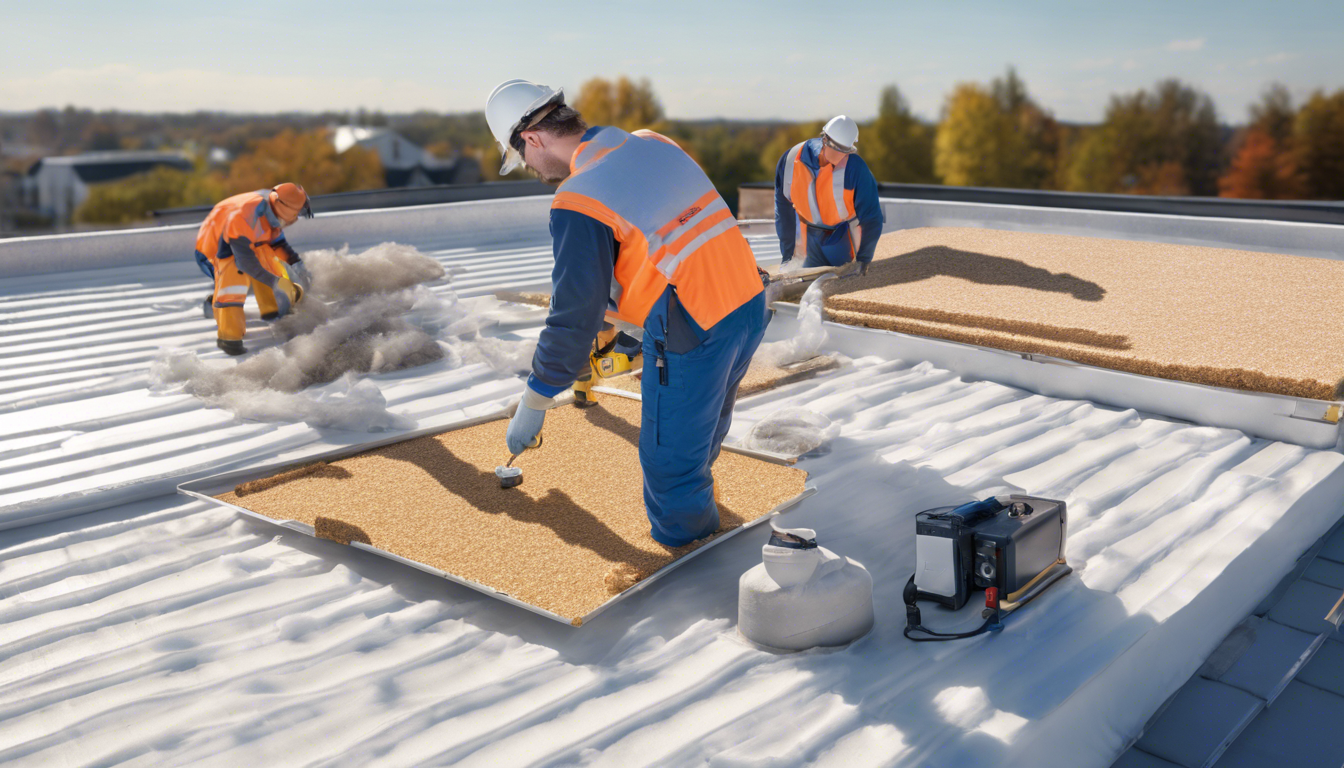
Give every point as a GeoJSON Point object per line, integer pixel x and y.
{"type": "Point", "coordinates": [792, 541]}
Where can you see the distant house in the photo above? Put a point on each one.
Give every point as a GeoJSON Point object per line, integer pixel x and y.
{"type": "Point", "coordinates": [55, 186]}
{"type": "Point", "coordinates": [405, 164]}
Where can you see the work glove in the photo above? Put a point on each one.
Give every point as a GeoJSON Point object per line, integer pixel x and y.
{"type": "Point", "coordinates": [526, 422]}
{"type": "Point", "coordinates": [300, 275]}
{"type": "Point", "coordinates": [287, 294]}
{"type": "Point", "coordinates": [863, 267]}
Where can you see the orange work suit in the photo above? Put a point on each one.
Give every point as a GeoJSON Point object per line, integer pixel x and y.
{"type": "Point", "coordinates": [241, 245]}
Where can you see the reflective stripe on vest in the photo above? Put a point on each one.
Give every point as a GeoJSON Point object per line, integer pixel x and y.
{"type": "Point", "coordinates": [822, 200]}
{"type": "Point", "coordinates": [671, 225]}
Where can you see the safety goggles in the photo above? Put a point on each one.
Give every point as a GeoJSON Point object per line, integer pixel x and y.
{"type": "Point", "coordinates": [827, 141]}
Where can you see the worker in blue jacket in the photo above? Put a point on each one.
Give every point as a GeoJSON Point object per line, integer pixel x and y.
{"type": "Point", "coordinates": [826, 206]}
{"type": "Point", "coordinates": [642, 240]}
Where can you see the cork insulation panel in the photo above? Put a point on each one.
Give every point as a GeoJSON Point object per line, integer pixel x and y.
{"type": "Point", "coordinates": [1228, 318]}
{"type": "Point", "coordinates": [572, 536]}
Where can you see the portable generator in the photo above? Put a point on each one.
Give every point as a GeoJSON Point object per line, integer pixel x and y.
{"type": "Point", "coordinates": [1012, 547]}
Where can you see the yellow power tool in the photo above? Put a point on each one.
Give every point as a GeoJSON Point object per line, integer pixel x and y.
{"type": "Point", "coordinates": [604, 362]}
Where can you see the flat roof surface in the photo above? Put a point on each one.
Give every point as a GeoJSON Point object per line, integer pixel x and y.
{"type": "Point", "coordinates": [159, 630]}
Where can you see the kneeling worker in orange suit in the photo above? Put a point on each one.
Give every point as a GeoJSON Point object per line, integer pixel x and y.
{"type": "Point", "coordinates": [242, 246]}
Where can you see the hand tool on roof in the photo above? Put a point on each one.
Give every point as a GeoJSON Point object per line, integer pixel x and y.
{"type": "Point", "coordinates": [511, 476]}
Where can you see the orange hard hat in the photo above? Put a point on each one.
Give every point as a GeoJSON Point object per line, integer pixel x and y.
{"type": "Point", "coordinates": [289, 201]}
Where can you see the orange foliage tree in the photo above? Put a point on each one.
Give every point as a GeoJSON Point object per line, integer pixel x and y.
{"type": "Point", "coordinates": [309, 159]}
{"type": "Point", "coordinates": [1262, 170]}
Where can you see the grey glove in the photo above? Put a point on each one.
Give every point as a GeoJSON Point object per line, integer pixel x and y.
{"type": "Point", "coordinates": [300, 276]}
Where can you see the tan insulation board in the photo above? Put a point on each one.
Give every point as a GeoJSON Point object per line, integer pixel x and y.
{"type": "Point", "coordinates": [525, 297]}
{"type": "Point", "coordinates": [572, 535]}
{"type": "Point", "coordinates": [1228, 318]}
{"type": "Point", "coordinates": [760, 377]}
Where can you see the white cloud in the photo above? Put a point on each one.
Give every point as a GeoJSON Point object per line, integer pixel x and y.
{"type": "Point", "coordinates": [1186, 45]}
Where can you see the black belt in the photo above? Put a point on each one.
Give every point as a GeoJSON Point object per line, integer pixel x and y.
{"type": "Point", "coordinates": [823, 228]}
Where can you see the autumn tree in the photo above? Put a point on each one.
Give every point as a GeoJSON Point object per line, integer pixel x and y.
{"type": "Point", "coordinates": [1262, 170]}
{"type": "Point", "coordinates": [1163, 142]}
{"type": "Point", "coordinates": [309, 159]}
{"type": "Point", "coordinates": [1264, 165]}
{"type": "Point", "coordinates": [623, 103]}
{"type": "Point", "coordinates": [977, 143]}
{"type": "Point", "coordinates": [996, 137]}
{"type": "Point", "coordinates": [896, 146]}
{"type": "Point", "coordinates": [1318, 144]}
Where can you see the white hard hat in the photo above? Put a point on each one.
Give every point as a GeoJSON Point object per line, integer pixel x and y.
{"type": "Point", "coordinates": [843, 133]}
{"type": "Point", "coordinates": [511, 104]}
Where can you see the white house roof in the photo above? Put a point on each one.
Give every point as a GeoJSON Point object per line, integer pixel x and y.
{"type": "Point", "coordinates": [346, 136]}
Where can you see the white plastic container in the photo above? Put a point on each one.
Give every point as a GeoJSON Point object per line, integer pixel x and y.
{"type": "Point", "coordinates": [803, 598]}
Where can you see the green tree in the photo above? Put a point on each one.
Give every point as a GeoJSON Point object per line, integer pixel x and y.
{"type": "Point", "coordinates": [1274, 114]}
{"type": "Point", "coordinates": [131, 199]}
{"type": "Point", "coordinates": [1166, 141]}
{"type": "Point", "coordinates": [784, 138]}
{"type": "Point", "coordinates": [1318, 143]}
{"type": "Point", "coordinates": [729, 158]}
{"type": "Point", "coordinates": [896, 146]}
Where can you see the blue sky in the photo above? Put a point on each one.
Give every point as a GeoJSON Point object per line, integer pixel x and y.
{"type": "Point", "coordinates": [788, 60]}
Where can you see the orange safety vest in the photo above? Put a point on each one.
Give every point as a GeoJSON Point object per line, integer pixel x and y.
{"type": "Point", "coordinates": [247, 216]}
{"type": "Point", "coordinates": [820, 200]}
{"type": "Point", "coordinates": [671, 225]}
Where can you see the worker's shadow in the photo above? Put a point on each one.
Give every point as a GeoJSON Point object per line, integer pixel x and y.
{"type": "Point", "coordinates": [556, 509]}
{"type": "Point", "coordinates": [604, 419]}
{"type": "Point", "coordinates": [982, 268]}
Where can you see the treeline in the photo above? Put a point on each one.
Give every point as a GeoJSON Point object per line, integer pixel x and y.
{"type": "Point", "coordinates": [1166, 140]}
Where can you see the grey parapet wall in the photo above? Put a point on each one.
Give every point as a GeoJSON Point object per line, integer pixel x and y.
{"type": "Point", "coordinates": [444, 226]}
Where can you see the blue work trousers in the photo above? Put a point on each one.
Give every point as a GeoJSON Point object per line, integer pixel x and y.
{"type": "Point", "coordinates": [828, 248]}
{"type": "Point", "coordinates": [688, 407]}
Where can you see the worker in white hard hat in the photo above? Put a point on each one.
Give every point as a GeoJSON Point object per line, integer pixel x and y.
{"type": "Point", "coordinates": [826, 206]}
{"type": "Point", "coordinates": [643, 239]}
